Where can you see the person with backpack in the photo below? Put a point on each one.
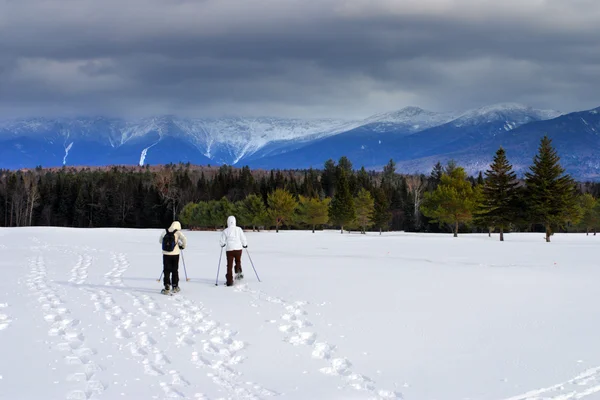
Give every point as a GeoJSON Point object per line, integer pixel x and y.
{"type": "Point", "coordinates": [233, 237]}
{"type": "Point", "coordinates": [173, 241]}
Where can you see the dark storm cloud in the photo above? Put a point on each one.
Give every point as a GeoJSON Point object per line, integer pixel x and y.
{"type": "Point", "coordinates": [294, 58]}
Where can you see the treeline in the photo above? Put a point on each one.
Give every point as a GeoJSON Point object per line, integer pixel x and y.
{"type": "Point", "coordinates": [337, 196]}
{"type": "Point", "coordinates": [547, 199]}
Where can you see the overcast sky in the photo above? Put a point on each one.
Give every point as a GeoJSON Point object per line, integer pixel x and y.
{"type": "Point", "coordinates": [294, 58]}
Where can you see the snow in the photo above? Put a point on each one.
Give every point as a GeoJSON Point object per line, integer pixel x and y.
{"type": "Point", "coordinates": [413, 316]}
{"type": "Point", "coordinates": [144, 153]}
{"type": "Point", "coordinates": [67, 149]}
{"type": "Point", "coordinates": [513, 114]}
{"type": "Point", "coordinates": [232, 139]}
{"type": "Point", "coordinates": [414, 119]}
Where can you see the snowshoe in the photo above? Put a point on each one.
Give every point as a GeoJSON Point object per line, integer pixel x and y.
{"type": "Point", "coordinates": [239, 276]}
{"type": "Point", "coordinates": [166, 290]}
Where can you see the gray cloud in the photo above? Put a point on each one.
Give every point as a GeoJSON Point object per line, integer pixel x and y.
{"type": "Point", "coordinates": [339, 58]}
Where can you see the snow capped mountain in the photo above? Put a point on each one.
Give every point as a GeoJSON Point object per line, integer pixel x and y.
{"type": "Point", "coordinates": [412, 136]}
{"type": "Point", "coordinates": [225, 140]}
{"type": "Point", "coordinates": [513, 114]}
{"type": "Point", "coordinates": [414, 119]}
{"type": "Point", "coordinates": [229, 140]}
{"type": "Point", "coordinates": [575, 136]}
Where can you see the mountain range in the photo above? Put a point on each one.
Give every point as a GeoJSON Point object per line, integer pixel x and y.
{"type": "Point", "coordinates": [415, 138]}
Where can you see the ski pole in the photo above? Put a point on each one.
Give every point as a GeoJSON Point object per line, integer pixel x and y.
{"type": "Point", "coordinates": [219, 268]}
{"type": "Point", "coordinates": [184, 269]}
{"type": "Point", "coordinates": [247, 252]}
{"type": "Point", "coordinates": [158, 280]}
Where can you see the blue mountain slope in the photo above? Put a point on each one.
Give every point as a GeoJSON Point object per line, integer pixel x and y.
{"type": "Point", "coordinates": [575, 136]}
{"type": "Point", "coordinates": [369, 147]}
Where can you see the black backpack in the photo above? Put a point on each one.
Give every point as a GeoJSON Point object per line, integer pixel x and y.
{"type": "Point", "coordinates": [169, 242]}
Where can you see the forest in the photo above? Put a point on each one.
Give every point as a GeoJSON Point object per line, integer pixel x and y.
{"type": "Point", "coordinates": [338, 196]}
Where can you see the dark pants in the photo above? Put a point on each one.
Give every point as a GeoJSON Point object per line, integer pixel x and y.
{"type": "Point", "coordinates": [171, 269]}
{"type": "Point", "coordinates": [231, 256]}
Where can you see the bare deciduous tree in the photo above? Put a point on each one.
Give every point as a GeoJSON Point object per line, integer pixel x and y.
{"type": "Point", "coordinates": [169, 192]}
{"type": "Point", "coordinates": [30, 183]}
{"type": "Point", "coordinates": [416, 186]}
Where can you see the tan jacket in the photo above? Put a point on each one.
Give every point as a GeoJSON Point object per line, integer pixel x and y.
{"type": "Point", "coordinates": [179, 238]}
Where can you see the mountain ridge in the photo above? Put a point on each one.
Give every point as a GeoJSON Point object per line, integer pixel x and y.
{"type": "Point", "coordinates": [412, 136]}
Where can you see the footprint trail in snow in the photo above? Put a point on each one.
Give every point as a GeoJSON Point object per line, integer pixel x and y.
{"type": "Point", "coordinates": [296, 329]}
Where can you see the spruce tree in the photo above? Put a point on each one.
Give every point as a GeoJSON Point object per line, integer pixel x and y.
{"type": "Point", "coordinates": [365, 207]}
{"type": "Point", "coordinates": [589, 212]}
{"type": "Point", "coordinates": [436, 175]}
{"type": "Point", "coordinates": [381, 213]}
{"type": "Point", "coordinates": [550, 194]}
{"type": "Point", "coordinates": [497, 208]}
{"type": "Point", "coordinates": [328, 178]}
{"type": "Point", "coordinates": [341, 208]}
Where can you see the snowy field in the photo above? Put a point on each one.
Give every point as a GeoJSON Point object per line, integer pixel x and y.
{"type": "Point", "coordinates": [413, 316]}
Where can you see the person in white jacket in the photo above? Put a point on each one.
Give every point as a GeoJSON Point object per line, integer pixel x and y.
{"type": "Point", "coordinates": [171, 250]}
{"type": "Point", "coordinates": [233, 239]}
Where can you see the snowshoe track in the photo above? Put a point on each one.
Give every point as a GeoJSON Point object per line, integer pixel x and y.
{"type": "Point", "coordinates": [68, 330]}
{"type": "Point", "coordinates": [583, 385]}
{"type": "Point", "coordinates": [295, 327]}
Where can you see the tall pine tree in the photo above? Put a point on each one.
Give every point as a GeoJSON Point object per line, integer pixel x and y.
{"type": "Point", "coordinates": [497, 208]}
{"type": "Point", "coordinates": [381, 215]}
{"type": "Point", "coordinates": [550, 195]}
{"type": "Point", "coordinates": [341, 208]}
{"type": "Point", "coordinates": [365, 208]}
{"type": "Point", "coordinates": [590, 216]}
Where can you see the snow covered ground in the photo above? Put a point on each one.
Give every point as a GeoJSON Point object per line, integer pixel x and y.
{"type": "Point", "coordinates": [411, 316]}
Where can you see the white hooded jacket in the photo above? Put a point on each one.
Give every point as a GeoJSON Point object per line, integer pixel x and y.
{"type": "Point", "coordinates": [179, 238]}
{"type": "Point", "coordinates": [233, 236]}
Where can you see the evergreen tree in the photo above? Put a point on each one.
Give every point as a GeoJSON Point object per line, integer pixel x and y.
{"type": "Point", "coordinates": [313, 211]}
{"type": "Point", "coordinates": [381, 212]}
{"type": "Point", "coordinates": [222, 209]}
{"type": "Point", "coordinates": [328, 178]}
{"type": "Point", "coordinates": [498, 206]}
{"type": "Point", "coordinates": [450, 167]}
{"type": "Point", "coordinates": [453, 202]}
{"type": "Point", "coordinates": [436, 175]}
{"type": "Point", "coordinates": [389, 171]}
{"type": "Point", "coordinates": [345, 164]}
{"type": "Point", "coordinates": [281, 207]}
{"type": "Point", "coordinates": [341, 208]}
{"type": "Point", "coordinates": [590, 218]}
{"type": "Point", "coordinates": [365, 208]}
{"type": "Point", "coordinates": [363, 181]}
{"type": "Point", "coordinates": [187, 214]}
{"type": "Point", "coordinates": [254, 209]}
{"type": "Point", "coordinates": [480, 180]}
{"type": "Point", "coordinates": [551, 196]}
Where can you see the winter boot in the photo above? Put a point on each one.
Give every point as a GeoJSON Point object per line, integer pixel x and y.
{"type": "Point", "coordinates": [166, 290]}
{"type": "Point", "coordinates": [239, 276]}
{"type": "Point", "coordinates": [176, 289]}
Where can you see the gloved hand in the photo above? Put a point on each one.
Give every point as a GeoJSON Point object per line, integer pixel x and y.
{"type": "Point", "coordinates": [223, 245]}
{"type": "Point", "coordinates": [182, 247]}
{"type": "Point", "coordinates": [245, 246]}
